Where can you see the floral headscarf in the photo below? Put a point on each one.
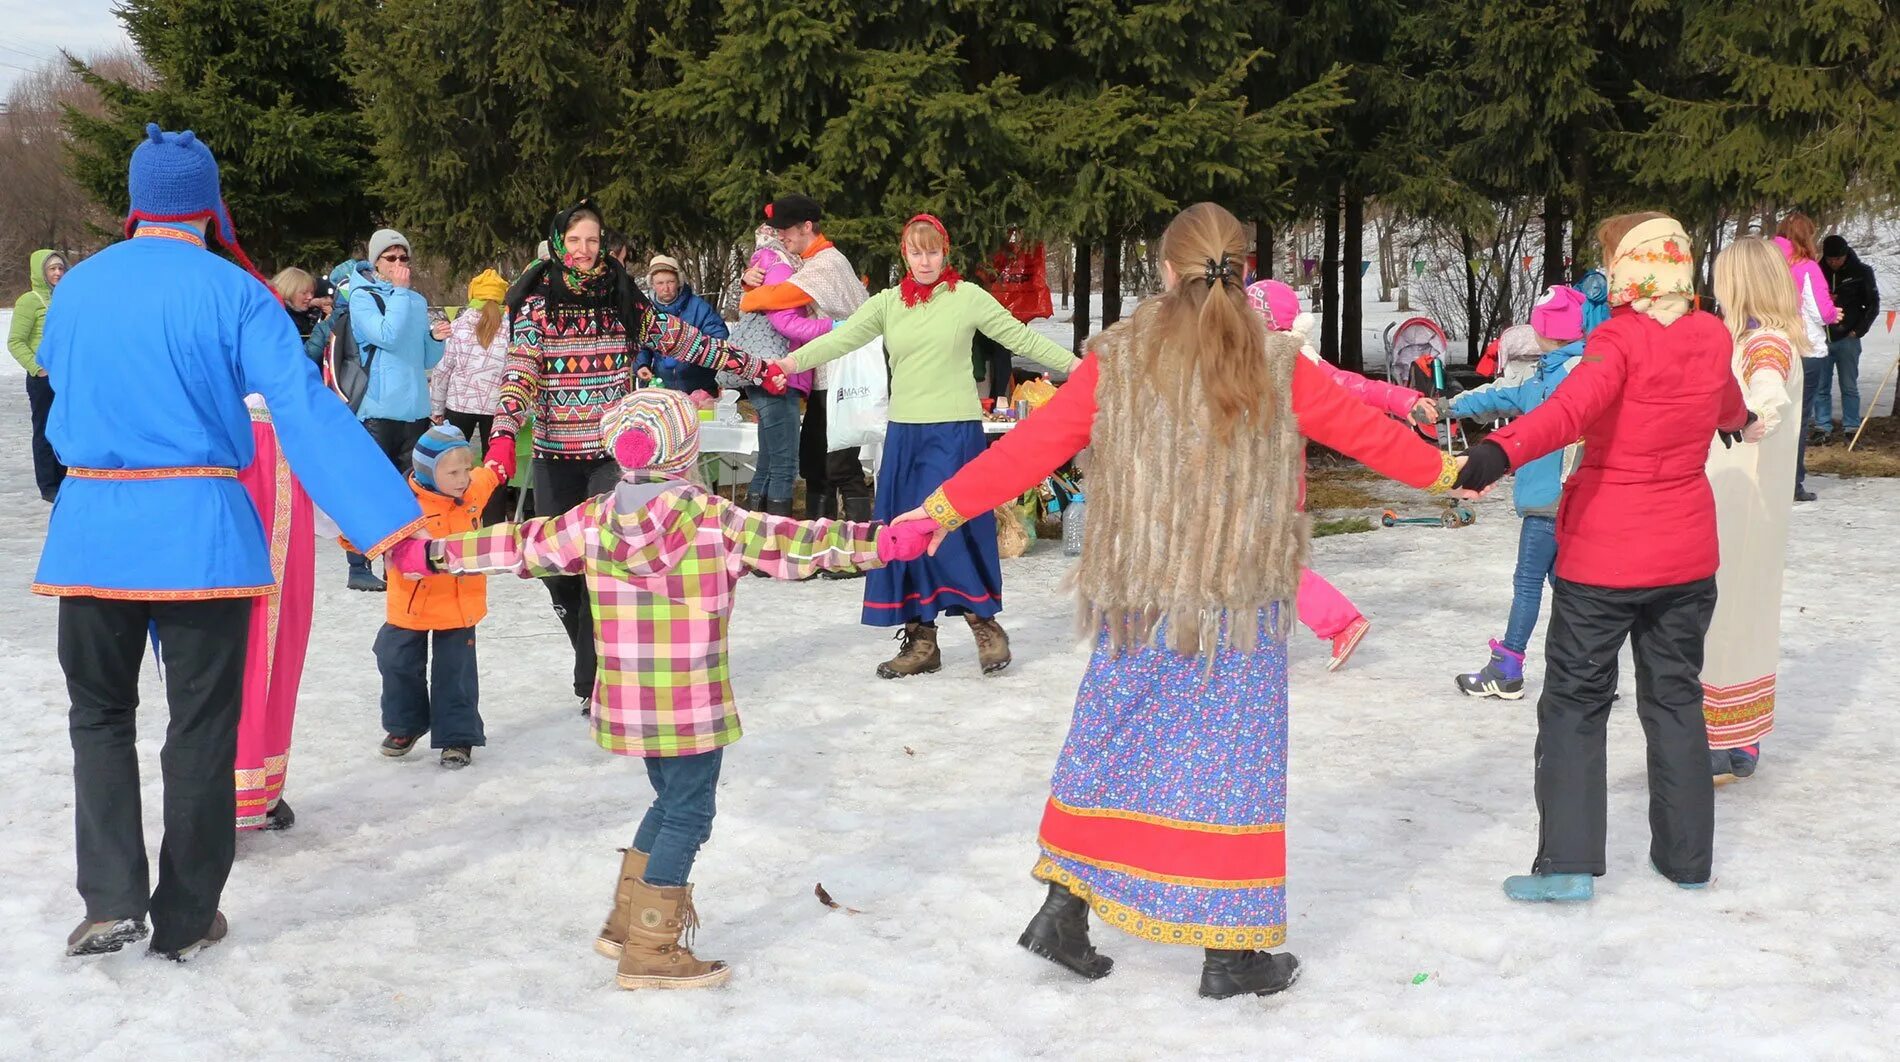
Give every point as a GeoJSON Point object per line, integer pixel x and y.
{"type": "Point", "coordinates": [1653, 272]}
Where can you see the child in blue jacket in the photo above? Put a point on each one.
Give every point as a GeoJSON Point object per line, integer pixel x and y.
{"type": "Point", "coordinates": [1554, 339]}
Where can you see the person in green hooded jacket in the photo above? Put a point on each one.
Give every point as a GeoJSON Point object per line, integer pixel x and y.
{"type": "Point", "coordinates": [23, 342]}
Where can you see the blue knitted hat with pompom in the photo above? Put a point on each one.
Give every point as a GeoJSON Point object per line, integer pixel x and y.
{"type": "Point", "coordinates": [174, 178]}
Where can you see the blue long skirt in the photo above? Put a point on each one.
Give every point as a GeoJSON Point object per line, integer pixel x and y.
{"type": "Point", "coordinates": [966, 575]}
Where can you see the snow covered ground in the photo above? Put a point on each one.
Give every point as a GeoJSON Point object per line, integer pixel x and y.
{"type": "Point", "coordinates": [418, 913]}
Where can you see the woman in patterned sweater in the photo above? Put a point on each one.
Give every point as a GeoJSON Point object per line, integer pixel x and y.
{"type": "Point", "coordinates": [577, 331]}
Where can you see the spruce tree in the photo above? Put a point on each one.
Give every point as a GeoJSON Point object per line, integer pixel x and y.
{"type": "Point", "coordinates": [262, 85]}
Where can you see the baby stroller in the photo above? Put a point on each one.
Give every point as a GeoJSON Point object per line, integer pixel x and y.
{"type": "Point", "coordinates": [1416, 350]}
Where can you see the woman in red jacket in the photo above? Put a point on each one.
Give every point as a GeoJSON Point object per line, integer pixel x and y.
{"type": "Point", "coordinates": [1636, 558]}
{"type": "Point", "coordinates": [1168, 807]}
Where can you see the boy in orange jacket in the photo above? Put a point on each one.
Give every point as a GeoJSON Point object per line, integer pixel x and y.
{"type": "Point", "coordinates": [445, 702]}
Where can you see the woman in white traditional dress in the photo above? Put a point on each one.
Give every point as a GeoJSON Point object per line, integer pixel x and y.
{"type": "Point", "coordinates": [1754, 491]}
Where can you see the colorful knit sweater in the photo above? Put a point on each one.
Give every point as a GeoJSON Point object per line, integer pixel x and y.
{"type": "Point", "coordinates": [662, 560]}
{"type": "Point", "coordinates": [566, 369]}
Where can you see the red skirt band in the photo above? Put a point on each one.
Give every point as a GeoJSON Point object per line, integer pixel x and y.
{"type": "Point", "coordinates": [1167, 848]}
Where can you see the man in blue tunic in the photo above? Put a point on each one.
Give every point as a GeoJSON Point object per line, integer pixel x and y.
{"type": "Point", "coordinates": [151, 348]}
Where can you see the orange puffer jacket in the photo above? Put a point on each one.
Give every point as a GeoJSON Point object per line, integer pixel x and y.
{"type": "Point", "coordinates": [445, 602]}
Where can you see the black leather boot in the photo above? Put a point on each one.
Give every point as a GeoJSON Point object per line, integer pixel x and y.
{"type": "Point", "coordinates": [1226, 974]}
{"type": "Point", "coordinates": [1060, 933]}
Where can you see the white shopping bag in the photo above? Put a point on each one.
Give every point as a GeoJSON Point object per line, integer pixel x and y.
{"type": "Point", "coordinates": [858, 404]}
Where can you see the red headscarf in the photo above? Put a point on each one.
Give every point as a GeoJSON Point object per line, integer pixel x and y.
{"type": "Point", "coordinates": [915, 293]}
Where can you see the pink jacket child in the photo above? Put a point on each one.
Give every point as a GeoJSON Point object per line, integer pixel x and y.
{"type": "Point", "coordinates": [1325, 611]}
{"type": "Point", "coordinates": [662, 557]}
{"type": "Point", "coordinates": [798, 325]}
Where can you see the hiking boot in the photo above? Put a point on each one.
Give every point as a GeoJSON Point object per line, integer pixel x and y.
{"type": "Point", "coordinates": [363, 577]}
{"type": "Point", "coordinates": [1742, 761]}
{"type": "Point", "coordinates": [1346, 641]}
{"type": "Point", "coordinates": [456, 757]}
{"type": "Point", "coordinates": [613, 932]}
{"type": "Point", "coordinates": [98, 938]}
{"type": "Point", "coordinates": [916, 655]}
{"type": "Point", "coordinates": [992, 644]}
{"type": "Point", "coordinates": [219, 927]}
{"type": "Point", "coordinates": [1503, 677]}
{"type": "Point", "coordinates": [1060, 933]}
{"type": "Point", "coordinates": [659, 918]}
{"type": "Point", "coordinates": [393, 745]}
{"type": "Point", "coordinates": [1803, 494]}
{"type": "Point", "coordinates": [280, 817]}
{"type": "Point", "coordinates": [1225, 974]}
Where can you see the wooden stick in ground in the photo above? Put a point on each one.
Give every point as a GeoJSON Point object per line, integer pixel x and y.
{"type": "Point", "coordinates": [1884, 381]}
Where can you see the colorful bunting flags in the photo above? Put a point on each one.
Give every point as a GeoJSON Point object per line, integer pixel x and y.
{"type": "Point", "coordinates": [1365, 265]}
{"type": "Point", "coordinates": [1891, 314]}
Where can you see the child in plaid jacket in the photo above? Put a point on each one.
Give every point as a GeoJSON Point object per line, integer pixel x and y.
{"type": "Point", "coordinates": [662, 556]}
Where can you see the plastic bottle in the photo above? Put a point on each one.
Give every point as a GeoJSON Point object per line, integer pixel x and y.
{"type": "Point", "coordinates": [1072, 526]}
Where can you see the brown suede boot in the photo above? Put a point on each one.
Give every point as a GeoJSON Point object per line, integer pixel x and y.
{"type": "Point", "coordinates": [653, 956]}
{"type": "Point", "coordinates": [992, 644]}
{"type": "Point", "coordinates": [917, 655]}
{"type": "Point", "coordinates": [633, 867]}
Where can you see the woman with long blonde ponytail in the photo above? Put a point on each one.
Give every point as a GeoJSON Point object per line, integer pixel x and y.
{"type": "Point", "coordinates": [1754, 494]}
{"type": "Point", "coordinates": [1168, 808]}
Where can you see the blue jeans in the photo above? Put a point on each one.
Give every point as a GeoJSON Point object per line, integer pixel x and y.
{"type": "Point", "coordinates": [681, 817]}
{"type": "Point", "coordinates": [1536, 559]}
{"type": "Point", "coordinates": [443, 702]}
{"type": "Point", "coordinates": [778, 444]}
{"type": "Point", "coordinates": [1813, 371]}
{"type": "Point", "coordinates": [1843, 358]}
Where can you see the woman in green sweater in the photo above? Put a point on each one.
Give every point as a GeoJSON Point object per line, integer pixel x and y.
{"type": "Point", "coordinates": [936, 424]}
{"type": "Point", "coordinates": [23, 342]}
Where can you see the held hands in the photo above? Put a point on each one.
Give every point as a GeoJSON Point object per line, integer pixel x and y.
{"type": "Point", "coordinates": [1484, 465]}
{"type": "Point", "coordinates": [907, 540]}
{"type": "Point", "coordinates": [1425, 411]}
{"type": "Point", "coordinates": [501, 456]}
{"type": "Point", "coordinates": [409, 557]}
{"type": "Point", "coordinates": [1755, 432]}
{"type": "Point", "coordinates": [924, 522]}
{"type": "Point", "coordinates": [773, 379]}
{"type": "Point", "coordinates": [1752, 431]}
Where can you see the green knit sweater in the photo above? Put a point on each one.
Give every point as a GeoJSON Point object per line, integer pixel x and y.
{"type": "Point", "coordinates": [929, 349]}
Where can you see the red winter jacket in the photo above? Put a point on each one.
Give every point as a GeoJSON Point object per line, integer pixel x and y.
{"type": "Point", "coordinates": [1647, 402]}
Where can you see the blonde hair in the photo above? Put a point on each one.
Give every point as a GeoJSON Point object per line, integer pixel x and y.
{"type": "Point", "coordinates": [1610, 234]}
{"type": "Point", "coordinates": [1798, 229]}
{"type": "Point", "coordinates": [291, 283]}
{"type": "Point", "coordinates": [1207, 341]}
{"type": "Point", "coordinates": [1756, 291]}
{"type": "Point", "coordinates": [488, 323]}
{"type": "Point", "coordinates": [923, 236]}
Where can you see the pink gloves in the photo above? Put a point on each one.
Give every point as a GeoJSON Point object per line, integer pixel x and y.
{"type": "Point", "coordinates": [905, 540]}
{"type": "Point", "coordinates": [410, 558]}
{"type": "Point", "coordinates": [501, 456]}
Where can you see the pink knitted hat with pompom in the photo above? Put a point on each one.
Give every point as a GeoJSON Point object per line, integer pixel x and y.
{"type": "Point", "coordinates": [653, 430]}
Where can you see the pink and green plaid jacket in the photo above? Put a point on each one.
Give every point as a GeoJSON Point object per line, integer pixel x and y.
{"type": "Point", "coordinates": [661, 561]}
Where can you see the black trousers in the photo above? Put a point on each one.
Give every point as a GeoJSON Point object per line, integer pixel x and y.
{"type": "Point", "coordinates": [48, 473]}
{"type": "Point", "coordinates": [101, 647]}
{"type": "Point", "coordinates": [830, 476]}
{"type": "Point", "coordinates": [397, 439]}
{"type": "Point", "coordinates": [476, 428]}
{"type": "Point", "coordinates": [559, 485]}
{"type": "Point", "coordinates": [1665, 627]}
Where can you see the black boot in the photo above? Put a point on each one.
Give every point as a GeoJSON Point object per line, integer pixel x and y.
{"type": "Point", "coordinates": [1060, 933]}
{"type": "Point", "coordinates": [280, 817]}
{"type": "Point", "coordinates": [859, 510]}
{"type": "Point", "coordinates": [1226, 974]}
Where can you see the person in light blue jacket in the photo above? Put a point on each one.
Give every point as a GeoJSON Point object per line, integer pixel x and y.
{"type": "Point", "coordinates": [401, 345]}
{"type": "Point", "coordinates": [1554, 341]}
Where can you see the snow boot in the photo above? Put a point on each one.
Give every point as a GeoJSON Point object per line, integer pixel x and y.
{"type": "Point", "coordinates": [1721, 766]}
{"type": "Point", "coordinates": [394, 745]}
{"type": "Point", "coordinates": [456, 757]}
{"type": "Point", "coordinates": [1678, 884]}
{"type": "Point", "coordinates": [992, 644]}
{"type": "Point", "coordinates": [1802, 493]}
{"type": "Point", "coordinates": [1226, 974]}
{"type": "Point", "coordinates": [1060, 933]}
{"type": "Point", "coordinates": [219, 927]}
{"type": "Point", "coordinates": [916, 655]}
{"type": "Point", "coordinates": [280, 817]}
{"type": "Point", "coordinates": [1743, 760]}
{"type": "Point", "coordinates": [613, 932]}
{"type": "Point", "coordinates": [1346, 641]}
{"type": "Point", "coordinates": [857, 510]}
{"type": "Point", "coordinates": [653, 955]}
{"type": "Point", "coordinates": [1550, 888]}
{"type": "Point", "coordinates": [363, 577]}
{"type": "Point", "coordinates": [98, 938]}
{"type": "Point", "coordinates": [1503, 677]}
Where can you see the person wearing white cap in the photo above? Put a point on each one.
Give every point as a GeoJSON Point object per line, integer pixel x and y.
{"type": "Point", "coordinates": [675, 298]}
